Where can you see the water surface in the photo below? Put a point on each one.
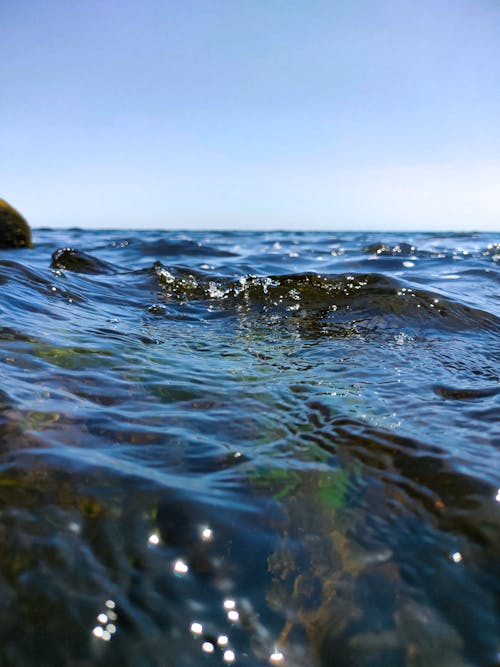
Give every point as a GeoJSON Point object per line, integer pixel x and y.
{"type": "Point", "coordinates": [250, 449]}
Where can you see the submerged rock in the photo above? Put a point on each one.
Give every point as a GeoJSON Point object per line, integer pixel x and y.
{"type": "Point", "coordinates": [14, 230]}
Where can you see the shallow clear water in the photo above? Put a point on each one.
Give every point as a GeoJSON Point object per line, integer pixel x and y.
{"type": "Point", "coordinates": [250, 449]}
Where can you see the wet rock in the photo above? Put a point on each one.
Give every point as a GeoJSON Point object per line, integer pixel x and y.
{"type": "Point", "coordinates": [385, 249]}
{"type": "Point", "coordinates": [493, 251]}
{"type": "Point", "coordinates": [14, 230]}
{"type": "Point", "coordinates": [76, 261]}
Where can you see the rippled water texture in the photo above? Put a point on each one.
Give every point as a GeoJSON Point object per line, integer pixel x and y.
{"type": "Point", "coordinates": [250, 448]}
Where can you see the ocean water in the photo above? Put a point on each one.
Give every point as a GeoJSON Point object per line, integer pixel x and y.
{"type": "Point", "coordinates": [250, 449]}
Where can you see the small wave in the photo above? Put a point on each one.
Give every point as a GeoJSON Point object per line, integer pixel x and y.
{"type": "Point", "coordinates": [429, 482]}
{"type": "Point", "coordinates": [362, 298]}
{"type": "Point", "coordinates": [21, 273]}
{"type": "Point", "coordinates": [182, 248]}
{"type": "Point", "coordinates": [465, 393]}
{"type": "Point", "coordinates": [403, 249]}
{"type": "Point", "coordinates": [80, 459]}
{"type": "Point", "coordinates": [69, 259]}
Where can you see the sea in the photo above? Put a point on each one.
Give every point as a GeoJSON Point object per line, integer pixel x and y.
{"type": "Point", "coordinates": [247, 448]}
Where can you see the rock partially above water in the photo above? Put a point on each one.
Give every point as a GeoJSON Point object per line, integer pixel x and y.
{"type": "Point", "coordinates": [14, 230]}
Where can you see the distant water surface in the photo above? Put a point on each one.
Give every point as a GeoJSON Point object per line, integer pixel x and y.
{"type": "Point", "coordinates": [250, 449]}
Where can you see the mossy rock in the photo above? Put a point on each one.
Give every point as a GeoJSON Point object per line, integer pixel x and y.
{"type": "Point", "coordinates": [14, 230]}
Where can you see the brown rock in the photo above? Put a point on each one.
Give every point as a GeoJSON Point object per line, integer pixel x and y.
{"type": "Point", "coordinates": [14, 230]}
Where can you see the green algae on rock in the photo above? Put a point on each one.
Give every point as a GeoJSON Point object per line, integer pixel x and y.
{"type": "Point", "coordinates": [14, 230]}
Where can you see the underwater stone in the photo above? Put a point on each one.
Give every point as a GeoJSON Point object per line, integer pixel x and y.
{"type": "Point", "coordinates": [14, 230]}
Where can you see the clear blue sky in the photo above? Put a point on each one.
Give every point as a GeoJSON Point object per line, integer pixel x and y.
{"type": "Point", "coordinates": [341, 114]}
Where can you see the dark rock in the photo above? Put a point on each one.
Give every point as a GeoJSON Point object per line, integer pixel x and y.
{"type": "Point", "coordinates": [69, 259]}
{"type": "Point", "coordinates": [14, 230]}
{"type": "Point", "coordinates": [385, 249]}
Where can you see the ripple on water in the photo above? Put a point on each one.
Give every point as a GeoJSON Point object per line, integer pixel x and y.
{"type": "Point", "coordinates": [251, 449]}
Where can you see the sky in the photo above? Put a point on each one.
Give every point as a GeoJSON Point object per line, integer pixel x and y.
{"type": "Point", "coordinates": [258, 114]}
